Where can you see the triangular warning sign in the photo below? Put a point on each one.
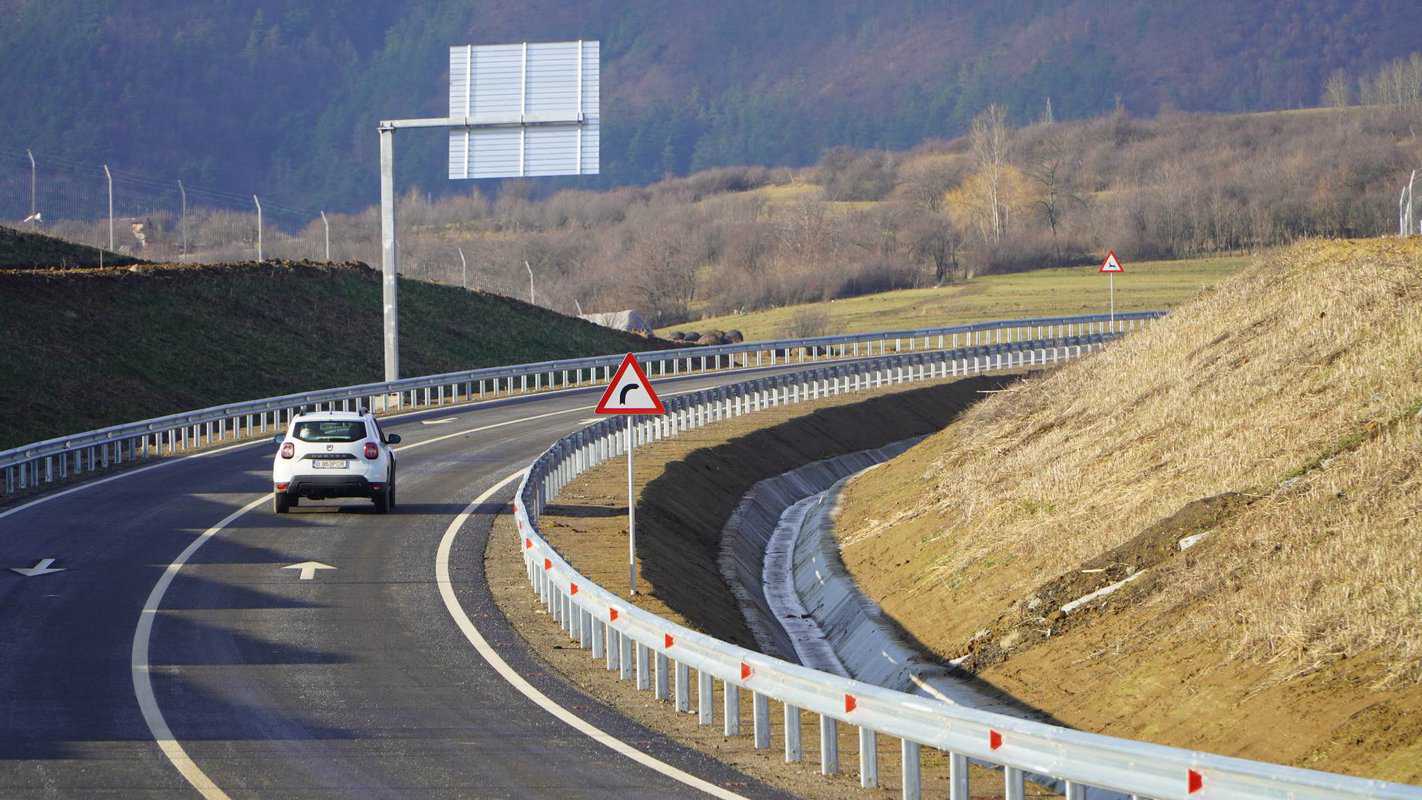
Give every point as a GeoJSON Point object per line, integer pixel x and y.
{"type": "Point", "coordinates": [1111, 264]}
{"type": "Point", "coordinates": [630, 392]}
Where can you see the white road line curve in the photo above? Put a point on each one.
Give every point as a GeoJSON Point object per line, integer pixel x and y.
{"type": "Point", "coordinates": [424, 411]}
{"type": "Point", "coordinates": [466, 625]}
{"type": "Point", "coordinates": [138, 664]}
{"type": "Point", "coordinates": [138, 660]}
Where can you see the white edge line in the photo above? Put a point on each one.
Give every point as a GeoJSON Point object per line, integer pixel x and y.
{"type": "Point", "coordinates": [138, 659]}
{"type": "Point", "coordinates": [458, 409]}
{"type": "Point", "coordinates": [142, 680]}
{"type": "Point", "coordinates": [451, 603]}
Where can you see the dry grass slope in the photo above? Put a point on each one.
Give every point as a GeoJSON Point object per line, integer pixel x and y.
{"type": "Point", "coordinates": [1297, 384]}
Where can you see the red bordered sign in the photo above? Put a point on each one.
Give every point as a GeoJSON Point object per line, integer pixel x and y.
{"type": "Point", "coordinates": [630, 392]}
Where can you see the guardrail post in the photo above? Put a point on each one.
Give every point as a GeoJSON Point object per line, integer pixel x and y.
{"type": "Point", "coordinates": [958, 777]}
{"type": "Point", "coordinates": [683, 688]}
{"type": "Point", "coordinates": [793, 750]}
{"type": "Point", "coordinates": [644, 678]}
{"type": "Point", "coordinates": [1075, 791]}
{"type": "Point", "coordinates": [661, 690]}
{"type": "Point", "coordinates": [760, 708]}
{"type": "Point", "coordinates": [829, 746]}
{"type": "Point", "coordinates": [624, 656]}
{"type": "Point", "coordinates": [1014, 786]}
{"type": "Point", "coordinates": [868, 757]}
{"type": "Point", "coordinates": [912, 788]}
{"type": "Point", "coordinates": [705, 704]}
{"type": "Point", "coordinates": [731, 722]}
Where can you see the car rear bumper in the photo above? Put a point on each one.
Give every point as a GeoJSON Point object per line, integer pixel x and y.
{"type": "Point", "coordinates": [316, 487]}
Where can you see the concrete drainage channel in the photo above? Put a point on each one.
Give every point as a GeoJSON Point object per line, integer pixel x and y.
{"type": "Point", "coordinates": [660, 655]}
{"type": "Point", "coordinates": [779, 556]}
{"type": "Point", "coordinates": [804, 605]}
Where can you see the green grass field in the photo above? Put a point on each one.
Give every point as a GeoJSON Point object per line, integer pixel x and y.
{"type": "Point", "coordinates": [91, 348]}
{"type": "Point", "coordinates": [1038, 293]}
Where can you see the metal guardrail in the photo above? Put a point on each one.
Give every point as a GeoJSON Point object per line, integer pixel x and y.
{"type": "Point", "coordinates": [33, 466]}
{"type": "Point", "coordinates": [660, 654]}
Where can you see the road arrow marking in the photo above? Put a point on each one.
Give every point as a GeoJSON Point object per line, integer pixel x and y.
{"type": "Point", "coordinates": [41, 567]}
{"type": "Point", "coordinates": [308, 568]}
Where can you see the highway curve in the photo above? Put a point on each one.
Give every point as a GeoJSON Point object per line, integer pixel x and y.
{"type": "Point", "coordinates": [355, 683]}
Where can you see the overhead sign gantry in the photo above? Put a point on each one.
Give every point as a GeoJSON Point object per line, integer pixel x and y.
{"type": "Point", "coordinates": [515, 110]}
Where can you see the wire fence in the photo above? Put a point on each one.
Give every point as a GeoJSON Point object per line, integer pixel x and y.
{"type": "Point", "coordinates": [170, 220]}
{"type": "Point", "coordinates": [166, 220]}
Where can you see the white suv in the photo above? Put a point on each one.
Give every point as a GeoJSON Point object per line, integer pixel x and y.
{"type": "Point", "coordinates": [334, 454]}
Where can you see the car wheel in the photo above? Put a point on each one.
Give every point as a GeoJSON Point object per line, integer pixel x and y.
{"type": "Point", "coordinates": [383, 499]}
{"type": "Point", "coordinates": [390, 493]}
{"type": "Point", "coordinates": [281, 503]}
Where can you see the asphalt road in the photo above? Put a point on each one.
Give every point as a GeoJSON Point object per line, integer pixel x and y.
{"type": "Point", "coordinates": [355, 683]}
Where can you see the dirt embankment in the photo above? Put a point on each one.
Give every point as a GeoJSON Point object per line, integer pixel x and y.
{"type": "Point", "coordinates": [1206, 536]}
{"type": "Point", "coordinates": [688, 487]}
{"type": "Point", "coordinates": [27, 250]}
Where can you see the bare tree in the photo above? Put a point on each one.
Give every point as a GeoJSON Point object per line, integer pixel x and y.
{"type": "Point", "coordinates": [1338, 91]}
{"type": "Point", "coordinates": [1054, 172]}
{"type": "Point", "coordinates": [989, 140]}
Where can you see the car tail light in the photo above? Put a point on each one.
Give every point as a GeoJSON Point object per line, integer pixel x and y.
{"type": "Point", "coordinates": [371, 451]}
{"type": "Point", "coordinates": [288, 450]}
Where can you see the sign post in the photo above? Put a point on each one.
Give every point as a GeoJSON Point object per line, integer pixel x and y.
{"type": "Point", "coordinates": [1112, 266]}
{"type": "Point", "coordinates": [515, 111]}
{"type": "Point", "coordinates": [630, 394]}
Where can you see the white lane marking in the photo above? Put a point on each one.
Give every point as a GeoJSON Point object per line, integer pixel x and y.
{"type": "Point", "coordinates": [129, 474]}
{"type": "Point", "coordinates": [441, 421]}
{"type": "Point", "coordinates": [308, 568]}
{"type": "Point", "coordinates": [138, 664]}
{"type": "Point", "coordinates": [41, 567]}
{"type": "Point", "coordinates": [451, 603]}
{"type": "Point", "coordinates": [264, 440]}
{"type": "Point", "coordinates": [514, 422]}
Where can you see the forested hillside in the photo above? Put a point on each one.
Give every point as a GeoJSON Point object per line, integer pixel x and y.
{"type": "Point", "coordinates": [282, 96]}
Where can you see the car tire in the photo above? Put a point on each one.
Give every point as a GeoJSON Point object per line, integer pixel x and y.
{"type": "Point", "coordinates": [281, 503]}
{"type": "Point", "coordinates": [390, 492]}
{"type": "Point", "coordinates": [383, 499]}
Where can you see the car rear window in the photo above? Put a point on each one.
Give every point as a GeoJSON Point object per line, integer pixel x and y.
{"type": "Point", "coordinates": [330, 431]}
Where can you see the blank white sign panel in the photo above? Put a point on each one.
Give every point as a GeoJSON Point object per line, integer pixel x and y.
{"type": "Point", "coordinates": [542, 96]}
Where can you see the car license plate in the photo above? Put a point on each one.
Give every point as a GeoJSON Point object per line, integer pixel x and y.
{"type": "Point", "coordinates": [329, 463]}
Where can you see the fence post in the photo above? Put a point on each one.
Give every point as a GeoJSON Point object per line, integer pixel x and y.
{"type": "Point", "coordinates": [109, 176]}
{"type": "Point", "coordinates": [326, 224]}
{"type": "Point", "coordinates": [183, 217]}
{"type": "Point", "coordinates": [33, 175]}
{"type": "Point", "coordinates": [259, 228]}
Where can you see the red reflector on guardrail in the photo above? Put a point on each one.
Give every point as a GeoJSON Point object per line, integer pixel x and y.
{"type": "Point", "coordinates": [1195, 781]}
{"type": "Point", "coordinates": [669, 641]}
{"type": "Point", "coordinates": [572, 588]}
{"type": "Point", "coordinates": [850, 703]}
{"type": "Point", "coordinates": [548, 563]}
{"type": "Point", "coordinates": [745, 671]}
{"type": "Point", "coordinates": [994, 739]}
{"type": "Point", "coordinates": [612, 615]}
{"type": "Point", "coordinates": [528, 544]}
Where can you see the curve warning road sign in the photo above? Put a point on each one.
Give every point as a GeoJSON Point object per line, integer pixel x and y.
{"type": "Point", "coordinates": [630, 392]}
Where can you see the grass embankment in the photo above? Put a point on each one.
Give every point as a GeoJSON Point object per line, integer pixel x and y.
{"type": "Point", "coordinates": [1278, 415]}
{"type": "Point", "coordinates": [678, 544]}
{"type": "Point", "coordinates": [89, 348]}
{"type": "Point", "coordinates": [25, 250]}
{"type": "Point", "coordinates": [1038, 293]}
